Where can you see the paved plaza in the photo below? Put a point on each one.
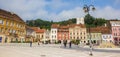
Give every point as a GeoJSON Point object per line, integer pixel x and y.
{"type": "Point", "coordinates": [51, 50]}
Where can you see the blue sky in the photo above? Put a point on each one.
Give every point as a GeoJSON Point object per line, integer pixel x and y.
{"type": "Point", "coordinates": [58, 10]}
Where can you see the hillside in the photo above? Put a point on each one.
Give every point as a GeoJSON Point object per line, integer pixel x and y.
{"type": "Point", "coordinates": [89, 21]}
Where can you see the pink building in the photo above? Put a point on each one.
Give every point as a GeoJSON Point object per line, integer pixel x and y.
{"type": "Point", "coordinates": [115, 27]}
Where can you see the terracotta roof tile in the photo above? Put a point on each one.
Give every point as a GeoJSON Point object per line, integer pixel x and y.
{"type": "Point", "coordinates": [35, 28]}
{"type": "Point", "coordinates": [101, 29]}
{"type": "Point", "coordinates": [63, 26]}
{"type": "Point", "coordinates": [81, 25]}
{"type": "Point", "coordinates": [40, 31]}
{"type": "Point", "coordinates": [55, 26]}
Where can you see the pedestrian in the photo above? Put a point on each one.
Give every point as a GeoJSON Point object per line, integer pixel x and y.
{"type": "Point", "coordinates": [70, 44]}
{"type": "Point", "coordinates": [30, 43]}
{"type": "Point", "coordinates": [65, 43]}
{"type": "Point", "coordinates": [38, 42]}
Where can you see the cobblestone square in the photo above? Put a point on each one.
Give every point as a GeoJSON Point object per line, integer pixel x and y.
{"type": "Point", "coordinates": [50, 50]}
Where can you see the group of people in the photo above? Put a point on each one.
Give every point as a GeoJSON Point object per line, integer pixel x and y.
{"type": "Point", "coordinates": [31, 43]}
{"type": "Point", "coordinates": [65, 43]}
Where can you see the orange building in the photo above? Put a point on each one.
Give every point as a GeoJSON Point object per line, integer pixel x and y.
{"type": "Point", "coordinates": [63, 33]}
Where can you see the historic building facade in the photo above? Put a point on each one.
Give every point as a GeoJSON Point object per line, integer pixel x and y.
{"type": "Point", "coordinates": [106, 34]}
{"type": "Point", "coordinates": [95, 35]}
{"type": "Point", "coordinates": [78, 31]}
{"type": "Point", "coordinates": [63, 33]}
{"type": "Point", "coordinates": [12, 27]}
{"type": "Point", "coordinates": [53, 33]}
{"type": "Point", "coordinates": [115, 27]}
{"type": "Point", "coordinates": [39, 34]}
{"type": "Point", "coordinates": [46, 36]}
{"type": "Point", "coordinates": [30, 33]}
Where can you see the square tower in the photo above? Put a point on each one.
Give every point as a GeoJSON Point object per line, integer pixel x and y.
{"type": "Point", "coordinates": [80, 20]}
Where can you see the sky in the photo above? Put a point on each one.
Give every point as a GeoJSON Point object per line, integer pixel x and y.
{"type": "Point", "coordinates": [59, 10]}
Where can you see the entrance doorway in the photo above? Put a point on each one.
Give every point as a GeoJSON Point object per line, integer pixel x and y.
{"type": "Point", "coordinates": [94, 41]}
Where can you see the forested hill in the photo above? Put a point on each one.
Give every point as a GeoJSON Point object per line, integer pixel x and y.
{"type": "Point", "coordinates": [89, 21]}
{"type": "Point", "coordinates": [47, 24]}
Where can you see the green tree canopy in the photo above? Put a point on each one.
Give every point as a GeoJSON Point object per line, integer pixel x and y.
{"type": "Point", "coordinates": [93, 22]}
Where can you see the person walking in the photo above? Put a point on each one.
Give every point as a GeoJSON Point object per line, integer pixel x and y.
{"type": "Point", "coordinates": [30, 43]}
{"type": "Point", "coordinates": [65, 43]}
{"type": "Point", "coordinates": [70, 44]}
{"type": "Point", "coordinates": [38, 42]}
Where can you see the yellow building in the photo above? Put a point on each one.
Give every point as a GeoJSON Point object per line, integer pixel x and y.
{"type": "Point", "coordinates": [78, 31]}
{"type": "Point", "coordinates": [12, 27]}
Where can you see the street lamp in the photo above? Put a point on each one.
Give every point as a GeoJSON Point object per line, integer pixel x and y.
{"type": "Point", "coordinates": [86, 9]}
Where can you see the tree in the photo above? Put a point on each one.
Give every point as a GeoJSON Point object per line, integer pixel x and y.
{"type": "Point", "coordinates": [89, 20]}
{"type": "Point", "coordinates": [99, 21]}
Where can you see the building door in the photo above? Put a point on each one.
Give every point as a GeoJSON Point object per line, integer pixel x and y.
{"type": "Point", "coordinates": [0, 39]}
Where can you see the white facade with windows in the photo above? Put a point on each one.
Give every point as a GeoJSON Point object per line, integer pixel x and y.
{"type": "Point", "coordinates": [53, 36]}
{"type": "Point", "coordinates": [107, 38]}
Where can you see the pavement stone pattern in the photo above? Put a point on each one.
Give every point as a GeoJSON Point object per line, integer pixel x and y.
{"type": "Point", "coordinates": [51, 50]}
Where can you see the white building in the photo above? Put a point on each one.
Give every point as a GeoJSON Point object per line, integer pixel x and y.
{"type": "Point", "coordinates": [107, 38]}
{"type": "Point", "coordinates": [53, 33]}
{"type": "Point", "coordinates": [106, 34]}
{"type": "Point", "coordinates": [80, 20]}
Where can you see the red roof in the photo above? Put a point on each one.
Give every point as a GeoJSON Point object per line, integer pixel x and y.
{"type": "Point", "coordinates": [55, 26]}
{"type": "Point", "coordinates": [80, 25]}
{"type": "Point", "coordinates": [101, 29]}
{"type": "Point", "coordinates": [63, 26]}
{"type": "Point", "coordinates": [40, 31]}
{"type": "Point", "coordinates": [35, 28]}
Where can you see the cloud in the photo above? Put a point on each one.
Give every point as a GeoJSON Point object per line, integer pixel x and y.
{"type": "Point", "coordinates": [107, 12]}
{"type": "Point", "coordinates": [24, 8]}
{"type": "Point", "coordinates": [57, 10]}
{"type": "Point", "coordinates": [117, 2]}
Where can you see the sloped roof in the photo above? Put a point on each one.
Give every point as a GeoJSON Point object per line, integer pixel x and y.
{"type": "Point", "coordinates": [80, 25]}
{"type": "Point", "coordinates": [55, 26]}
{"type": "Point", "coordinates": [105, 30]}
{"type": "Point", "coordinates": [101, 29]}
{"type": "Point", "coordinates": [35, 28]}
{"type": "Point", "coordinates": [63, 26]}
{"type": "Point", "coordinates": [40, 31]}
{"type": "Point", "coordinates": [10, 15]}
